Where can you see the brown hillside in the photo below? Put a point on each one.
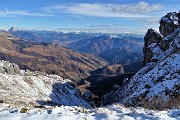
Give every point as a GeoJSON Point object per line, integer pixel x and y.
{"type": "Point", "coordinates": [49, 58]}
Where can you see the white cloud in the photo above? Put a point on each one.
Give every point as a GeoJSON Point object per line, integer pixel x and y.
{"type": "Point", "coordinates": [11, 13]}
{"type": "Point", "coordinates": [137, 10]}
{"type": "Point", "coordinates": [106, 26]}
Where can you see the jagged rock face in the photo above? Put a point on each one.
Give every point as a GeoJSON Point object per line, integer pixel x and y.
{"type": "Point", "coordinates": [151, 40]}
{"type": "Point", "coordinates": [22, 90]}
{"type": "Point", "coordinates": [9, 68]}
{"type": "Point", "coordinates": [160, 79]}
{"type": "Point", "coordinates": [169, 23]}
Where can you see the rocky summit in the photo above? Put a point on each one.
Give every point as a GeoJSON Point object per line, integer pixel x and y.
{"type": "Point", "coordinates": [169, 23]}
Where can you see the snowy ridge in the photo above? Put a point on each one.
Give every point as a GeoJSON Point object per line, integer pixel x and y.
{"type": "Point", "coordinates": [158, 79]}
{"type": "Point", "coordinates": [35, 89]}
{"type": "Point", "coordinates": [171, 17]}
{"type": "Point", "coordinates": [3, 29]}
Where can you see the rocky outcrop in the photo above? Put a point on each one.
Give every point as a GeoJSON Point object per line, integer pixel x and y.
{"type": "Point", "coordinates": [151, 40]}
{"type": "Point", "coordinates": [169, 23]}
{"type": "Point", "coordinates": [160, 77]}
{"type": "Point", "coordinates": [9, 68]}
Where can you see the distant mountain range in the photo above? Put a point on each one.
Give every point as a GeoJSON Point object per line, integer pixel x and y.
{"type": "Point", "coordinates": [58, 36]}
{"type": "Point", "coordinates": [124, 50]}
{"type": "Point", "coordinates": [96, 45]}
{"type": "Point", "coordinates": [48, 36]}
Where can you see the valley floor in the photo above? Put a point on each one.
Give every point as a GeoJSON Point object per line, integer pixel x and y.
{"type": "Point", "coordinates": [113, 112]}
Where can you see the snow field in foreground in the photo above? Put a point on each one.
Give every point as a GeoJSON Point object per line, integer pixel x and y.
{"type": "Point", "coordinates": [113, 112]}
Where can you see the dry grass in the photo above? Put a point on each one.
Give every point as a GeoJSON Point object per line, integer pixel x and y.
{"type": "Point", "coordinates": [160, 104]}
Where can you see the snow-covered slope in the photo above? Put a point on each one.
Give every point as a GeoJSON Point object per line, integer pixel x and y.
{"type": "Point", "coordinates": [113, 112]}
{"type": "Point", "coordinates": [35, 89]}
{"type": "Point", "coordinates": [160, 78]}
{"type": "Point", "coordinates": [20, 90]}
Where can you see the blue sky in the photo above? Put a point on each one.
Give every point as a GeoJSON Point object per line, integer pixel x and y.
{"type": "Point", "coordinates": [113, 16]}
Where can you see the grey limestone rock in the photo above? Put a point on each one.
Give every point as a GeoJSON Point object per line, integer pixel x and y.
{"type": "Point", "coordinates": [169, 23]}
{"type": "Point", "coordinates": [152, 36]}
